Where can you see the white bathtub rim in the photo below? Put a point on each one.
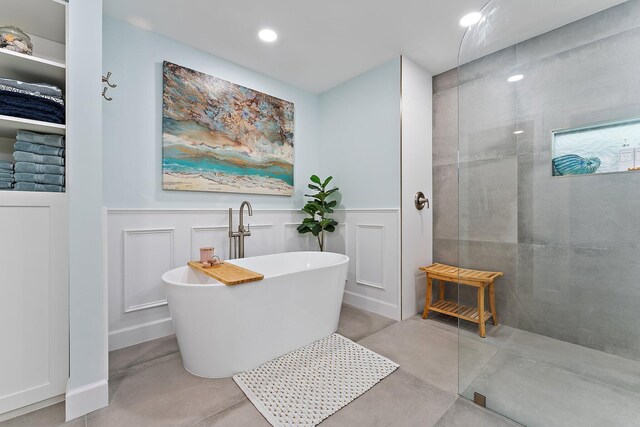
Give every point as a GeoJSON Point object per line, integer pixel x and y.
{"type": "Point", "coordinates": [345, 260]}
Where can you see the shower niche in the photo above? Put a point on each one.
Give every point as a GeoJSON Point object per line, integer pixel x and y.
{"type": "Point", "coordinates": [597, 149]}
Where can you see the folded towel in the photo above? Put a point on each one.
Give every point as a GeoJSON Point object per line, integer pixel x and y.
{"type": "Point", "coordinates": [30, 107]}
{"type": "Point", "coordinates": [22, 156]}
{"type": "Point", "coordinates": [40, 178]}
{"type": "Point", "coordinates": [31, 186]}
{"type": "Point", "coordinates": [5, 185]}
{"type": "Point", "coordinates": [39, 95]}
{"type": "Point", "coordinates": [25, 167]}
{"type": "Point", "coordinates": [5, 165]}
{"type": "Point", "coordinates": [6, 176]}
{"type": "Point", "coordinates": [39, 138]}
{"type": "Point", "coordinates": [41, 88]}
{"type": "Point", "coordinates": [38, 149]}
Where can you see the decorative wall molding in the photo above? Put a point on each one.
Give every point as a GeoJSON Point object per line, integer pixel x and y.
{"type": "Point", "coordinates": [185, 230]}
{"type": "Point", "coordinates": [222, 230]}
{"type": "Point", "coordinates": [341, 235]}
{"type": "Point", "coordinates": [136, 267]}
{"type": "Point", "coordinates": [220, 239]}
{"type": "Point", "coordinates": [146, 211]}
{"type": "Point", "coordinates": [293, 241]}
{"type": "Point", "coordinates": [372, 261]}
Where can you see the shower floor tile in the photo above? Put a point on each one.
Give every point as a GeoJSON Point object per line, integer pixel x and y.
{"type": "Point", "coordinates": [538, 393]}
{"type": "Point", "coordinates": [464, 413]}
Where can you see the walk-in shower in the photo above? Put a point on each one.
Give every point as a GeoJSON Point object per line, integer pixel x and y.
{"type": "Point", "coordinates": [535, 146]}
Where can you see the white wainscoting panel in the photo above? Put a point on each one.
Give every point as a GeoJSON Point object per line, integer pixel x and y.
{"type": "Point", "coordinates": [370, 255]}
{"type": "Point", "coordinates": [338, 241]}
{"type": "Point", "coordinates": [148, 253]}
{"type": "Point", "coordinates": [260, 242]}
{"type": "Point", "coordinates": [374, 270]}
{"type": "Point", "coordinates": [216, 237]}
{"type": "Point", "coordinates": [160, 239]}
{"type": "Point", "coordinates": [294, 241]}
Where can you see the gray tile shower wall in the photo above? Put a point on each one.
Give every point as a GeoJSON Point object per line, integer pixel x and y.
{"type": "Point", "coordinates": [568, 246]}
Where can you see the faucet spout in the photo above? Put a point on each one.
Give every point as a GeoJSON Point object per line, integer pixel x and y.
{"type": "Point", "coordinates": [249, 210]}
{"type": "Point", "coordinates": [242, 230]}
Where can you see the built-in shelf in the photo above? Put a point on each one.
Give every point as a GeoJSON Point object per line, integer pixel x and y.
{"type": "Point", "coordinates": [31, 69]}
{"type": "Point", "coordinates": [43, 18]}
{"type": "Point", "coordinates": [8, 196]}
{"type": "Point", "coordinates": [10, 125]}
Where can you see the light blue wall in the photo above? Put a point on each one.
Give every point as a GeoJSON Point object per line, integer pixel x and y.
{"type": "Point", "coordinates": [351, 131]}
{"type": "Point", "coordinates": [132, 126]}
{"type": "Point", "coordinates": [360, 137]}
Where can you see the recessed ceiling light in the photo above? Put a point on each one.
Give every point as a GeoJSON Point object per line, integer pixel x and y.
{"type": "Point", "coordinates": [515, 78]}
{"type": "Point", "coordinates": [518, 132]}
{"type": "Point", "coordinates": [267, 35]}
{"type": "Point", "coordinates": [470, 19]}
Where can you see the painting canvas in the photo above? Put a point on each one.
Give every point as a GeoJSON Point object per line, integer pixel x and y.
{"type": "Point", "coordinates": [220, 136]}
{"type": "Point", "coordinates": [605, 148]}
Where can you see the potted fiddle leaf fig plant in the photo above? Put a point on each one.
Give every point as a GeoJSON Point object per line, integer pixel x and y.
{"type": "Point", "coordinates": [318, 209]}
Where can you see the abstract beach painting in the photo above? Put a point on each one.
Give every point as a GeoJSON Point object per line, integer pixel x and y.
{"type": "Point", "coordinates": [223, 137]}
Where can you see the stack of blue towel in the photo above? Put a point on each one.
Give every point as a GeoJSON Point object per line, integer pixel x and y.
{"type": "Point", "coordinates": [39, 162]}
{"type": "Point", "coordinates": [35, 101]}
{"type": "Point", "coordinates": [6, 175]}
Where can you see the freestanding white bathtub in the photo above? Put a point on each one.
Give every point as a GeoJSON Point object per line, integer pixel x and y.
{"type": "Point", "coordinates": [223, 330]}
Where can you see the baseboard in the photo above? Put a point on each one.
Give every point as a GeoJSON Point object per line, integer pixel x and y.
{"type": "Point", "coordinates": [371, 304]}
{"type": "Point", "coordinates": [82, 400]}
{"type": "Point", "coordinates": [126, 337]}
{"type": "Point", "coordinates": [31, 408]}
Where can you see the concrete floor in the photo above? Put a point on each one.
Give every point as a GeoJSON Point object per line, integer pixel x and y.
{"type": "Point", "coordinates": [148, 385]}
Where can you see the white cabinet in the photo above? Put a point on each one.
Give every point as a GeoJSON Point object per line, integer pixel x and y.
{"type": "Point", "coordinates": [34, 231]}
{"type": "Point", "coordinates": [34, 343]}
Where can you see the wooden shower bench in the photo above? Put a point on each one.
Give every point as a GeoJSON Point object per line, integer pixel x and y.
{"type": "Point", "coordinates": [479, 279]}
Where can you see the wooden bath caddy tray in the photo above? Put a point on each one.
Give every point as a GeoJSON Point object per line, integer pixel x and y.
{"type": "Point", "coordinates": [227, 273]}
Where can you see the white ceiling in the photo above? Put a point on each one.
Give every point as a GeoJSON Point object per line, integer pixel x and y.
{"type": "Point", "coordinates": [324, 43]}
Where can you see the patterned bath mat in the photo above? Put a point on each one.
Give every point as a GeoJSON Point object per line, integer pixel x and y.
{"type": "Point", "coordinates": [307, 385]}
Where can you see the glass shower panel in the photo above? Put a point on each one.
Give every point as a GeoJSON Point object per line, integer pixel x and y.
{"type": "Point", "coordinates": [549, 195]}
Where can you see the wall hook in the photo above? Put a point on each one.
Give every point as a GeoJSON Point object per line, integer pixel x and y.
{"type": "Point", "coordinates": [106, 80]}
{"type": "Point", "coordinates": [109, 85]}
{"type": "Point", "coordinates": [104, 94]}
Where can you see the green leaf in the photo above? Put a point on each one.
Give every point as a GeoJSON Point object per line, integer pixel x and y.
{"type": "Point", "coordinates": [327, 181]}
{"type": "Point", "coordinates": [309, 221]}
{"type": "Point", "coordinates": [333, 190]}
{"type": "Point", "coordinates": [317, 229]}
{"type": "Point", "coordinates": [330, 228]}
{"type": "Point", "coordinates": [325, 222]}
{"type": "Point", "coordinates": [314, 187]}
{"type": "Point", "coordinates": [314, 178]}
{"type": "Point", "coordinates": [317, 206]}
{"type": "Point", "coordinates": [302, 229]}
{"type": "Point", "coordinates": [332, 204]}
